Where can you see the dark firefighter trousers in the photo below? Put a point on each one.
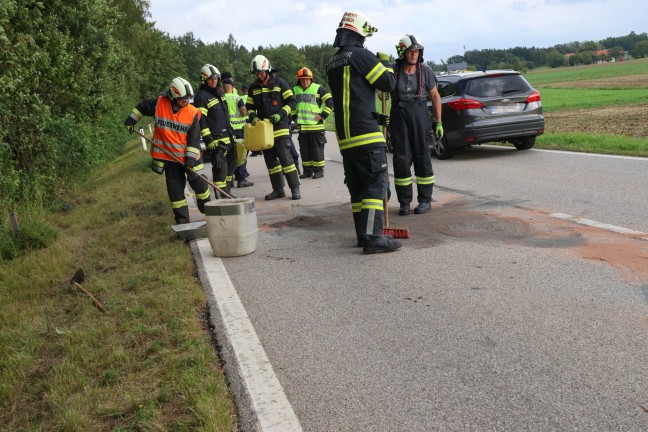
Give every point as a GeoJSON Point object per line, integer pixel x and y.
{"type": "Point", "coordinates": [365, 176]}
{"type": "Point", "coordinates": [311, 147]}
{"type": "Point", "coordinates": [280, 162]}
{"type": "Point", "coordinates": [223, 166]}
{"type": "Point", "coordinates": [408, 127]}
{"type": "Point", "coordinates": [176, 180]}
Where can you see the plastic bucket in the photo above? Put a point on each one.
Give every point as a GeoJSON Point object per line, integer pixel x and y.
{"type": "Point", "coordinates": [232, 226]}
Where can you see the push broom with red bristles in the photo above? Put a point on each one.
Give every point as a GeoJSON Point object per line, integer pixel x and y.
{"type": "Point", "coordinates": [396, 232]}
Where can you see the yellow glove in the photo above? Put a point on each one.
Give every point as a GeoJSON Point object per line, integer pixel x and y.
{"type": "Point", "coordinates": [439, 130]}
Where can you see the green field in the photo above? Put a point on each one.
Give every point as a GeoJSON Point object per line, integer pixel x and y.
{"type": "Point", "coordinates": [544, 76]}
{"type": "Point", "coordinates": [579, 98]}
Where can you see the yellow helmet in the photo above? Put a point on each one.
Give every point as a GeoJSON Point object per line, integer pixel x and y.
{"type": "Point", "coordinates": [259, 64]}
{"type": "Point", "coordinates": [180, 89]}
{"type": "Point", "coordinates": [357, 22]}
{"type": "Point", "coordinates": [409, 43]}
{"type": "Point", "coordinates": [209, 71]}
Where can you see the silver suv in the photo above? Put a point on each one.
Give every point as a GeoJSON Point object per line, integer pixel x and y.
{"type": "Point", "coordinates": [490, 106]}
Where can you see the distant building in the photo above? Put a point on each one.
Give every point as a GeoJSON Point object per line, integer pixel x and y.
{"type": "Point", "coordinates": [601, 56]}
{"type": "Point", "coordinates": [454, 67]}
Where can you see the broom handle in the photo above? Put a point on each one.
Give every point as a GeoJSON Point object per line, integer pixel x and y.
{"type": "Point", "coordinates": [175, 158]}
{"type": "Point", "coordinates": [385, 209]}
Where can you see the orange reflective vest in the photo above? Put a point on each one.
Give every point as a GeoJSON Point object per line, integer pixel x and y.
{"type": "Point", "coordinates": [171, 132]}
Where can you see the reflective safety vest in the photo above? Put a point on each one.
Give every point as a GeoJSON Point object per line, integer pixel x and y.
{"type": "Point", "coordinates": [171, 132]}
{"type": "Point", "coordinates": [236, 119]}
{"type": "Point", "coordinates": [309, 106]}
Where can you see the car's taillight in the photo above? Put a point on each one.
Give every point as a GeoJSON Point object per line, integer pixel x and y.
{"type": "Point", "coordinates": [533, 97]}
{"type": "Point", "coordinates": [464, 104]}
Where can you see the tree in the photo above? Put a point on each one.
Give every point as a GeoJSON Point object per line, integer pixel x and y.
{"type": "Point", "coordinates": [555, 59]}
{"type": "Point", "coordinates": [640, 49]}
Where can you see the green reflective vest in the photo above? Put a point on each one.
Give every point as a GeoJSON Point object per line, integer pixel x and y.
{"type": "Point", "coordinates": [308, 107]}
{"type": "Point", "coordinates": [236, 119]}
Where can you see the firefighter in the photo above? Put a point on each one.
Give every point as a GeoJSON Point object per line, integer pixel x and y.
{"type": "Point", "coordinates": [215, 127]}
{"type": "Point", "coordinates": [177, 133]}
{"type": "Point", "coordinates": [272, 98]}
{"type": "Point", "coordinates": [354, 74]}
{"type": "Point", "coordinates": [238, 116]}
{"type": "Point", "coordinates": [409, 122]}
{"type": "Point", "coordinates": [314, 104]}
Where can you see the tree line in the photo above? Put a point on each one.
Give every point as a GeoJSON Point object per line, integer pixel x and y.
{"type": "Point", "coordinates": [72, 71]}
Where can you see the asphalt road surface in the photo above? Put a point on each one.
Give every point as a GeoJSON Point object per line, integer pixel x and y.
{"type": "Point", "coordinates": [520, 302]}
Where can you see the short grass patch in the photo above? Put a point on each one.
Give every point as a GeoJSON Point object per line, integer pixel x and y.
{"type": "Point", "coordinates": [146, 365]}
{"type": "Point", "coordinates": [593, 143]}
{"type": "Point", "coordinates": [554, 99]}
{"type": "Point", "coordinates": [545, 76]}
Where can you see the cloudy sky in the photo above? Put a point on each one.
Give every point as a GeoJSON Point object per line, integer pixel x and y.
{"type": "Point", "coordinates": [445, 27]}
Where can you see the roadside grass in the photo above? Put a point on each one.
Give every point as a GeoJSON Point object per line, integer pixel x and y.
{"type": "Point", "coordinates": [545, 76]}
{"type": "Point", "coordinates": [593, 143]}
{"type": "Point", "coordinates": [570, 98]}
{"type": "Point", "coordinates": [149, 363]}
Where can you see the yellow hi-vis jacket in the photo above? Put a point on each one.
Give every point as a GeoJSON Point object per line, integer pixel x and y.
{"type": "Point", "coordinates": [313, 101]}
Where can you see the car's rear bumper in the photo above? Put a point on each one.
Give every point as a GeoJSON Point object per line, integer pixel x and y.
{"type": "Point", "coordinates": [478, 133]}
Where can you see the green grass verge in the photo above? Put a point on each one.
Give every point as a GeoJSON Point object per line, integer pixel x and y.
{"type": "Point", "coordinates": [588, 143]}
{"type": "Point", "coordinates": [571, 98]}
{"type": "Point", "coordinates": [605, 70]}
{"type": "Point", "coordinates": [146, 365]}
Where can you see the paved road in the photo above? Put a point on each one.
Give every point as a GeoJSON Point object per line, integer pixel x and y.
{"type": "Point", "coordinates": [496, 315]}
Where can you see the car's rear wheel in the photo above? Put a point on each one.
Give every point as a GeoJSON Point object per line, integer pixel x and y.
{"type": "Point", "coordinates": [441, 149]}
{"type": "Point", "coordinates": [525, 143]}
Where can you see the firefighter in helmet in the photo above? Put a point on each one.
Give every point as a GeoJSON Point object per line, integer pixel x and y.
{"type": "Point", "coordinates": [215, 127]}
{"type": "Point", "coordinates": [410, 122]}
{"type": "Point", "coordinates": [354, 75]}
{"type": "Point", "coordinates": [314, 104]}
{"type": "Point", "coordinates": [176, 152]}
{"type": "Point", "coordinates": [271, 98]}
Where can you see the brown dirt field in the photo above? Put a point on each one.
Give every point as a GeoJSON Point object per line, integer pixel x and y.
{"type": "Point", "coordinates": [620, 82]}
{"type": "Point", "coordinates": [627, 120]}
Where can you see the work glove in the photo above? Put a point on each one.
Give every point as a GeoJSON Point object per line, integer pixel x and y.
{"type": "Point", "coordinates": [190, 162]}
{"type": "Point", "coordinates": [438, 130]}
{"type": "Point", "coordinates": [252, 118]}
{"type": "Point", "coordinates": [275, 118]}
{"type": "Point", "coordinates": [212, 145]}
{"type": "Point", "coordinates": [130, 128]}
{"type": "Point", "coordinates": [382, 57]}
{"type": "Point", "coordinates": [383, 120]}
{"type": "Point", "coordinates": [217, 156]}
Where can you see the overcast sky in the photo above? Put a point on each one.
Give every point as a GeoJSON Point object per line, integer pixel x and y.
{"type": "Point", "coordinates": [445, 27]}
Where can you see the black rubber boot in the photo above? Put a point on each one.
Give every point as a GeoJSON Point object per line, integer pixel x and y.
{"type": "Point", "coordinates": [295, 193]}
{"type": "Point", "coordinates": [279, 193]}
{"type": "Point", "coordinates": [244, 183]}
{"type": "Point", "coordinates": [404, 210]}
{"type": "Point", "coordinates": [423, 207]}
{"type": "Point", "coordinates": [361, 239]}
{"type": "Point", "coordinates": [380, 244]}
{"type": "Point", "coordinates": [306, 174]}
{"type": "Point", "coordinates": [318, 174]}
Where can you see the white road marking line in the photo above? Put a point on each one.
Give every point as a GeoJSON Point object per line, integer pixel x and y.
{"type": "Point", "coordinates": [269, 402]}
{"type": "Point", "coordinates": [596, 224]}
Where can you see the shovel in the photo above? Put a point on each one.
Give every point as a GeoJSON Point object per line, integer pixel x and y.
{"type": "Point", "coordinates": [175, 158]}
{"type": "Point", "coordinates": [76, 280]}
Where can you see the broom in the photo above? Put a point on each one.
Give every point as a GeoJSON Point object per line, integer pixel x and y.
{"type": "Point", "coordinates": [396, 232]}
{"type": "Point", "coordinates": [175, 158]}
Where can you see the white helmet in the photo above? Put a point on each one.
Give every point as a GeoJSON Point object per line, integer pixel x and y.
{"type": "Point", "coordinates": [209, 71]}
{"type": "Point", "coordinates": [180, 89]}
{"type": "Point", "coordinates": [408, 43]}
{"type": "Point", "coordinates": [357, 22]}
{"type": "Point", "coordinates": [259, 64]}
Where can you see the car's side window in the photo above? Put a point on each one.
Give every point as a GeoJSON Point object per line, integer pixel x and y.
{"type": "Point", "coordinates": [446, 89]}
